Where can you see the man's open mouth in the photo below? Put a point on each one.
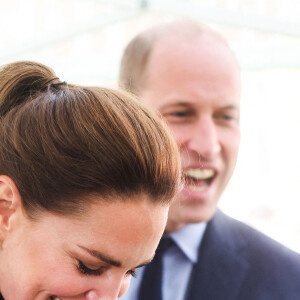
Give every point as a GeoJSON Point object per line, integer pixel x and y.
{"type": "Point", "coordinates": [198, 179]}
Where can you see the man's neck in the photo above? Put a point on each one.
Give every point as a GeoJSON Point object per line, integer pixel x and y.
{"type": "Point", "coordinates": [173, 226]}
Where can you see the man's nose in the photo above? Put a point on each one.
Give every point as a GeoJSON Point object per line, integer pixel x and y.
{"type": "Point", "coordinates": [204, 139]}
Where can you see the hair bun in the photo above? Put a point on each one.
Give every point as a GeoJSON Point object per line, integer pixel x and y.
{"type": "Point", "coordinates": [20, 80]}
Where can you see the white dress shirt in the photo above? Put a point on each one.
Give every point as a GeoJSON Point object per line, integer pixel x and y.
{"type": "Point", "coordinates": [177, 264]}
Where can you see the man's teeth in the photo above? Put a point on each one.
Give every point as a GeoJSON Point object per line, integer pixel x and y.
{"type": "Point", "coordinates": [200, 177]}
{"type": "Point", "coordinates": [199, 174]}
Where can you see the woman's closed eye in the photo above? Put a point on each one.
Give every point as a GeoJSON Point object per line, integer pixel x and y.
{"type": "Point", "coordinates": [131, 273]}
{"type": "Point", "coordinates": [87, 270]}
{"type": "Point", "coordinates": [96, 272]}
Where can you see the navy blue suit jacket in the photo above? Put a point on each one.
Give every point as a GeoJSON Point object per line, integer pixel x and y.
{"type": "Point", "coordinates": [237, 262]}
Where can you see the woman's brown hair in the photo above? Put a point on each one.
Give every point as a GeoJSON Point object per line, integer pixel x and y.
{"type": "Point", "coordinates": [60, 143]}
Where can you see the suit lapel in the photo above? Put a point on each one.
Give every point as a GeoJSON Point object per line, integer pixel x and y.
{"type": "Point", "coordinates": [221, 266]}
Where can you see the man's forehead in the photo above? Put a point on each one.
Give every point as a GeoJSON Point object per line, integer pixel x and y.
{"type": "Point", "coordinates": [183, 39]}
{"type": "Point", "coordinates": [181, 71]}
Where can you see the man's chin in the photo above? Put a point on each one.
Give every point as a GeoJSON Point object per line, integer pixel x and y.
{"type": "Point", "coordinates": [200, 216]}
{"type": "Point", "coordinates": [182, 216]}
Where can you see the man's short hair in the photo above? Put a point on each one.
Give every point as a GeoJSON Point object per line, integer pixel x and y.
{"type": "Point", "coordinates": [133, 66]}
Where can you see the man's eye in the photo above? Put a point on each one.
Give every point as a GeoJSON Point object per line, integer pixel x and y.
{"type": "Point", "coordinates": [178, 114]}
{"type": "Point", "coordinates": [227, 117]}
{"type": "Point", "coordinates": [88, 271]}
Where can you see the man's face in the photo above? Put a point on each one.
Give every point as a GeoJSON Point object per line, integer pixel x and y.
{"type": "Point", "coordinates": [195, 86]}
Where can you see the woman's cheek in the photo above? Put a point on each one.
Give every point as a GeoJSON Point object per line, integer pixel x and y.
{"type": "Point", "coordinates": [125, 285]}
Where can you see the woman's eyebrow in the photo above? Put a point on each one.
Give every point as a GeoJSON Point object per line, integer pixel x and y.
{"type": "Point", "coordinates": [108, 259]}
{"type": "Point", "coordinates": [102, 257]}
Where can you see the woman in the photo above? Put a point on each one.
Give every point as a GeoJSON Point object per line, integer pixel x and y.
{"type": "Point", "coordinates": [86, 178]}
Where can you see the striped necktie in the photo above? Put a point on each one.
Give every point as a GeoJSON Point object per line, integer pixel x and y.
{"type": "Point", "coordinates": [150, 288]}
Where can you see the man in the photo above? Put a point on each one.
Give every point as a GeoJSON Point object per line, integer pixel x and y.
{"type": "Point", "coordinates": [189, 75]}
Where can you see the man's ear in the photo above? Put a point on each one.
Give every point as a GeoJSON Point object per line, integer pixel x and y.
{"type": "Point", "coordinates": [10, 201]}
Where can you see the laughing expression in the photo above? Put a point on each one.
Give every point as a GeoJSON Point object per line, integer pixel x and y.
{"type": "Point", "coordinates": [196, 89]}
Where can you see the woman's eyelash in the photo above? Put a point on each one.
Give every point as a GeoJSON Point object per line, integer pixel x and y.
{"type": "Point", "coordinates": [87, 271]}
{"type": "Point", "coordinates": [131, 273]}
{"type": "Point", "coordinates": [96, 272]}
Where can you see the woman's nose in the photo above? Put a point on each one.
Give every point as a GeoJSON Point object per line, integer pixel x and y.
{"type": "Point", "coordinates": [94, 295]}
{"type": "Point", "coordinates": [110, 288]}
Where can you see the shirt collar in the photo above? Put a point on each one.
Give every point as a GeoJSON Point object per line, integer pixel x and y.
{"type": "Point", "coordinates": [189, 238]}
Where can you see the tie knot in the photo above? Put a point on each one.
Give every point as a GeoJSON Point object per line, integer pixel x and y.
{"type": "Point", "coordinates": [164, 244]}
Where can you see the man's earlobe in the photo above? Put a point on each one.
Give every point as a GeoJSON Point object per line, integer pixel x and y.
{"type": "Point", "coordinates": [10, 201]}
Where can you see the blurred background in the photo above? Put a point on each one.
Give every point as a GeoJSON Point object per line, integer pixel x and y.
{"type": "Point", "coordinates": [83, 40]}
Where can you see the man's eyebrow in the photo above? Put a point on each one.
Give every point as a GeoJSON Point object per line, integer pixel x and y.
{"type": "Point", "coordinates": [179, 103]}
{"type": "Point", "coordinates": [230, 107]}
{"type": "Point", "coordinates": [108, 259]}
{"type": "Point", "coordinates": [189, 104]}
{"type": "Point", "coordinates": [102, 256]}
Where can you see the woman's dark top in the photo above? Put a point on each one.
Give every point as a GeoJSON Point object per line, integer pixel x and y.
{"type": "Point", "coordinates": [1, 298]}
